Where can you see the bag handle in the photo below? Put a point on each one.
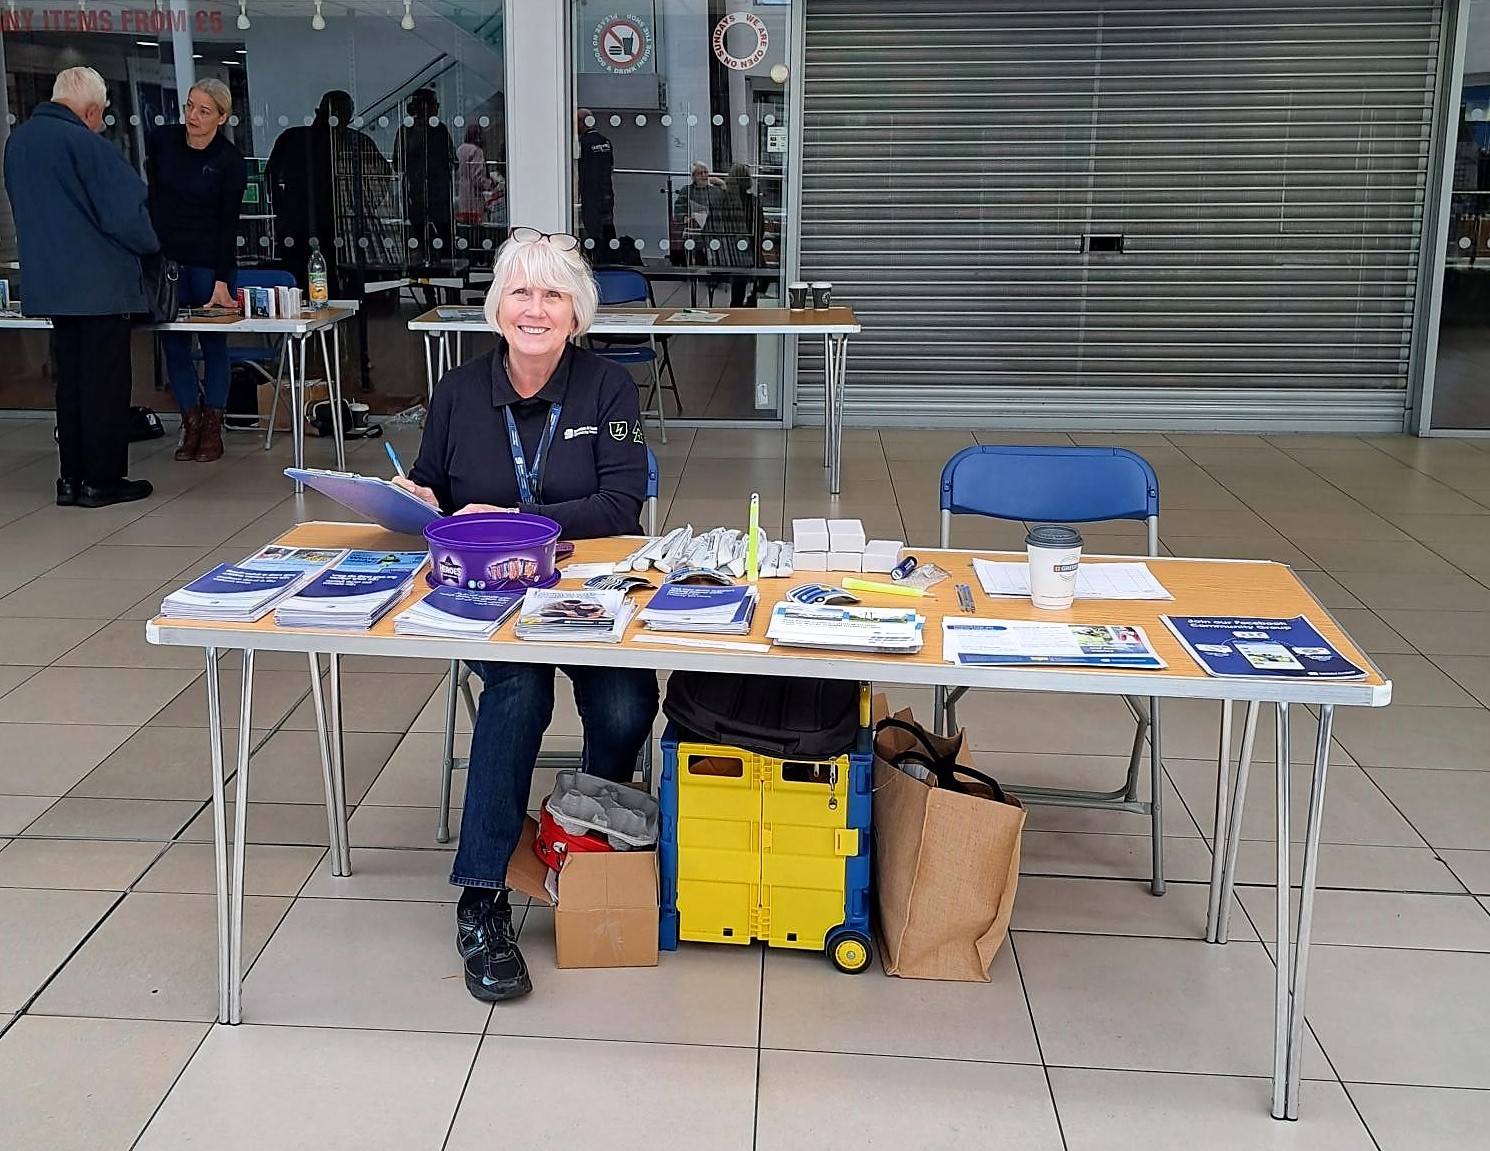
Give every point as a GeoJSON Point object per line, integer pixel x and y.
{"type": "Point", "coordinates": [944, 767]}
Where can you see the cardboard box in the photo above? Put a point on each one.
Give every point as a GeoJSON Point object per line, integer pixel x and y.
{"type": "Point", "coordinates": [607, 910]}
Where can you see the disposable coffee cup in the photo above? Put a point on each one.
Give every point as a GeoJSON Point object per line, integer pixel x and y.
{"type": "Point", "coordinates": [796, 296]}
{"type": "Point", "coordinates": [822, 294]}
{"type": "Point", "coordinates": [1055, 555]}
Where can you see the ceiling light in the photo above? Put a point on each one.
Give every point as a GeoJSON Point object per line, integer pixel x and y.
{"type": "Point", "coordinates": [241, 51]}
{"type": "Point", "coordinates": [407, 23]}
{"type": "Point", "coordinates": [318, 22]}
{"type": "Point", "coordinates": [243, 21]}
{"type": "Point", "coordinates": [147, 43]}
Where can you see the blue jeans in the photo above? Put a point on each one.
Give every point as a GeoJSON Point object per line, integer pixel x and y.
{"type": "Point", "coordinates": [192, 291]}
{"type": "Point", "coordinates": [616, 709]}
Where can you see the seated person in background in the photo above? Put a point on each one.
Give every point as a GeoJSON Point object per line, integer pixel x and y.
{"type": "Point", "coordinates": [536, 425]}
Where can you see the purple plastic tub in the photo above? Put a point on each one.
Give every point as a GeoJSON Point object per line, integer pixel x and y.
{"type": "Point", "coordinates": [493, 551]}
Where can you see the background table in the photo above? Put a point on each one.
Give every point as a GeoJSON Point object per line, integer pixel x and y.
{"type": "Point", "coordinates": [442, 347]}
{"type": "Point", "coordinates": [1200, 587]}
{"type": "Point", "coordinates": [297, 329]}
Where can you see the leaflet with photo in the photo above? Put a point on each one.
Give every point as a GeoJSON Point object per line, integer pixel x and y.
{"type": "Point", "coordinates": [701, 608]}
{"type": "Point", "coordinates": [564, 615]}
{"type": "Point", "coordinates": [1026, 643]}
{"type": "Point", "coordinates": [1241, 647]}
{"type": "Point", "coordinates": [854, 628]}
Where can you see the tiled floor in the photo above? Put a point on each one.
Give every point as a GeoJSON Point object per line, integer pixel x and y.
{"type": "Point", "coordinates": [1108, 1023]}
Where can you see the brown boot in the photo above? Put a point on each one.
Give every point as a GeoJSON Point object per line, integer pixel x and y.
{"type": "Point", "coordinates": [191, 434]}
{"type": "Point", "coordinates": [211, 445]}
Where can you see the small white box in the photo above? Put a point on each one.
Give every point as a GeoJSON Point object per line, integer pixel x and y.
{"type": "Point", "coordinates": [845, 536]}
{"type": "Point", "coordinates": [810, 535]}
{"type": "Point", "coordinates": [845, 561]}
{"type": "Point", "coordinates": [882, 555]}
{"type": "Point", "coordinates": [809, 561]}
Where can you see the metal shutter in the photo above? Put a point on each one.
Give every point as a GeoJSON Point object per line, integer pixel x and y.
{"type": "Point", "coordinates": [1266, 167]}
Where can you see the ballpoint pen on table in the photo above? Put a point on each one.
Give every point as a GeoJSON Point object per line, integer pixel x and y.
{"type": "Point", "coordinates": [397, 465]}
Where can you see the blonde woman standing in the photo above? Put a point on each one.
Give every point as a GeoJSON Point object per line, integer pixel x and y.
{"type": "Point", "coordinates": [196, 179]}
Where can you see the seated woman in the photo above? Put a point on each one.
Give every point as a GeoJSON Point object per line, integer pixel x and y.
{"type": "Point", "coordinates": [535, 425]}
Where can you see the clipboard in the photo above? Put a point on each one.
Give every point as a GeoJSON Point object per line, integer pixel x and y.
{"type": "Point", "coordinates": [383, 502]}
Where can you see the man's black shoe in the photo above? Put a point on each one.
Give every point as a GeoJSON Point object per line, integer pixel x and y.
{"type": "Point", "coordinates": [495, 969]}
{"type": "Point", "coordinates": [119, 492]}
{"type": "Point", "coordinates": [468, 915]}
{"type": "Point", "coordinates": [67, 492]}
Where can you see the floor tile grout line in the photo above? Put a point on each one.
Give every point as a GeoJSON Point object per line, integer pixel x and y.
{"type": "Point", "coordinates": [175, 1080]}
{"type": "Point", "coordinates": [470, 1074]}
{"type": "Point", "coordinates": [1029, 1008]}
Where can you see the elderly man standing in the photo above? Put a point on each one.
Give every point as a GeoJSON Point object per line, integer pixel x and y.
{"type": "Point", "coordinates": [82, 225]}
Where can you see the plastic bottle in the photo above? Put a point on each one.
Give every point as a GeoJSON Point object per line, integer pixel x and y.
{"type": "Point", "coordinates": [316, 274]}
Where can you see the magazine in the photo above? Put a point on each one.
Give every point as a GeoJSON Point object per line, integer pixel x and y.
{"type": "Point", "coordinates": [1025, 643]}
{"type": "Point", "coordinates": [1241, 647]}
{"type": "Point", "coordinates": [355, 593]}
{"type": "Point", "coordinates": [563, 615]}
{"type": "Point", "coordinates": [458, 613]}
{"type": "Point", "coordinates": [251, 588]}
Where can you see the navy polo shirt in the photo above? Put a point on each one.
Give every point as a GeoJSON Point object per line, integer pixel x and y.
{"type": "Point", "coordinates": [593, 479]}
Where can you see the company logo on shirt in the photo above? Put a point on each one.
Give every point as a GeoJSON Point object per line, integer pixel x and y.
{"type": "Point", "coordinates": [619, 431]}
{"type": "Point", "coordinates": [587, 430]}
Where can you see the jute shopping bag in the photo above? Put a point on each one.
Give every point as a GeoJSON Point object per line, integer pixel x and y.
{"type": "Point", "coordinates": [946, 860]}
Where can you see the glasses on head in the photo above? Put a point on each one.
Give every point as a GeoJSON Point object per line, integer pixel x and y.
{"type": "Point", "coordinates": [560, 240]}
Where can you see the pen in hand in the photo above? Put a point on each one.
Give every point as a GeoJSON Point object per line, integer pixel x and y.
{"type": "Point", "coordinates": [397, 466]}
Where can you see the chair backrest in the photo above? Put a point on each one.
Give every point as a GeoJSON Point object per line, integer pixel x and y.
{"type": "Point", "coordinates": [264, 278]}
{"type": "Point", "coordinates": [622, 286]}
{"type": "Point", "coordinates": [652, 485]}
{"type": "Point", "coordinates": [1051, 485]}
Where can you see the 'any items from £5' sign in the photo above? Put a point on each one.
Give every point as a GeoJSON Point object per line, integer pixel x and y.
{"type": "Point", "coordinates": [151, 21]}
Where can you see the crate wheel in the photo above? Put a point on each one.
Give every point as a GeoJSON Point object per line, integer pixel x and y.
{"type": "Point", "coordinates": [849, 951]}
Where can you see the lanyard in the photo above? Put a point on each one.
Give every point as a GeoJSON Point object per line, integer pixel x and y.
{"type": "Point", "coordinates": [530, 480]}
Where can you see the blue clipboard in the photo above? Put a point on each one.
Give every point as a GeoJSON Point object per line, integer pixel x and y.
{"type": "Point", "coordinates": [379, 500]}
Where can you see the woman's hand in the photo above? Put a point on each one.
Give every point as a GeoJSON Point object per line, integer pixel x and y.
{"type": "Point", "coordinates": [221, 297]}
{"type": "Point", "coordinates": [425, 494]}
{"type": "Point", "coordinates": [470, 509]}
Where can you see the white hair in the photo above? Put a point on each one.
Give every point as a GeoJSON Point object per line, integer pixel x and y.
{"type": "Point", "coordinates": [541, 265]}
{"type": "Point", "coordinates": [80, 88]}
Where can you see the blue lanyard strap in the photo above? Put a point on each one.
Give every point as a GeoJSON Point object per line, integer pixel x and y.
{"type": "Point", "coordinates": [530, 480]}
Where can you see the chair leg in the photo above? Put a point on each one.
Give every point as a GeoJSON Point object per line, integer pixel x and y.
{"type": "Point", "coordinates": [667, 366]}
{"type": "Point", "coordinates": [654, 403]}
{"type": "Point", "coordinates": [447, 761]}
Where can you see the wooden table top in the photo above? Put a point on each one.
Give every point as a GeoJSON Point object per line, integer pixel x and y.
{"type": "Point", "coordinates": [1199, 587]}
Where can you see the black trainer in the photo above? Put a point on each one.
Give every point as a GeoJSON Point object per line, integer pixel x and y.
{"type": "Point", "coordinates": [495, 969]}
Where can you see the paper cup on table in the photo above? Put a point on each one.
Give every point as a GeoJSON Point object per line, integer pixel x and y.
{"type": "Point", "coordinates": [796, 296]}
{"type": "Point", "coordinates": [822, 294]}
{"type": "Point", "coordinates": [1055, 554]}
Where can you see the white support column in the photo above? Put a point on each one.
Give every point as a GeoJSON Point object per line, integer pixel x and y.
{"type": "Point", "coordinates": [182, 47]}
{"type": "Point", "coordinates": [540, 128]}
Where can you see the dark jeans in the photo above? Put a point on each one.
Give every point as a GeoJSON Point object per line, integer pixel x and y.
{"type": "Point", "coordinates": [92, 376]}
{"type": "Point", "coordinates": [193, 290]}
{"type": "Point", "coordinates": [616, 710]}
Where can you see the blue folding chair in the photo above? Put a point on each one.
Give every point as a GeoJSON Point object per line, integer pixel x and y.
{"type": "Point", "coordinates": [458, 686]}
{"type": "Point", "coordinates": [627, 286]}
{"type": "Point", "coordinates": [1066, 485]}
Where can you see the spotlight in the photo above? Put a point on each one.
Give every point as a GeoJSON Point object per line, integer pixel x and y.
{"type": "Point", "coordinates": [318, 22]}
{"type": "Point", "coordinates": [407, 23]}
{"type": "Point", "coordinates": [243, 21]}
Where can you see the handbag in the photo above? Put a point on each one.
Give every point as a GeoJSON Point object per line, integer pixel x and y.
{"type": "Point", "coordinates": [162, 280]}
{"type": "Point", "coordinates": [784, 718]}
{"type": "Point", "coordinates": [946, 854]}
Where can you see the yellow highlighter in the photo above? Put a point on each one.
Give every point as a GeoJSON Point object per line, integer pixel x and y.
{"type": "Point", "coordinates": [885, 588]}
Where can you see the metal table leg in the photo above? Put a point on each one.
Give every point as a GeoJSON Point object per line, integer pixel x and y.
{"type": "Point", "coordinates": [1234, 822]}
{"type": "Point", "coordinates": [835, 351]}
{"type": "Point", "coordinates": [240, 834]}
{"type": "Point", "coordinates": [1297, 973]}
{"type": "Point", "coordinates": [323, 741]}
{"type": "Point", "coordinates": [827, 402]}
{"type": "Point", "coordinates": [430, 341]}
{"type": "Point", "coordinates": [219, 837]}
{"type": "Point", "coordinates": [297, 404]}
{"type": "Point", "coordinates": [336, 740]}
{"type": "Point", "coordinates": [332, 364]}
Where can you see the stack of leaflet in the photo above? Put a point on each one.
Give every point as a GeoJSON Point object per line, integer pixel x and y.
{"type": "Point", "coordinates": [355, 594]}
{"type": "Point", "coordinates": [846, 628]}
{"type": "Point", "coordinates": [585, 616]}
{"type": "Point", "coordinates": [250, 589]}
{"type": "Point", "coordinates": [701, 608]}
{"type": "Point", "coordinates": [458, 613]}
